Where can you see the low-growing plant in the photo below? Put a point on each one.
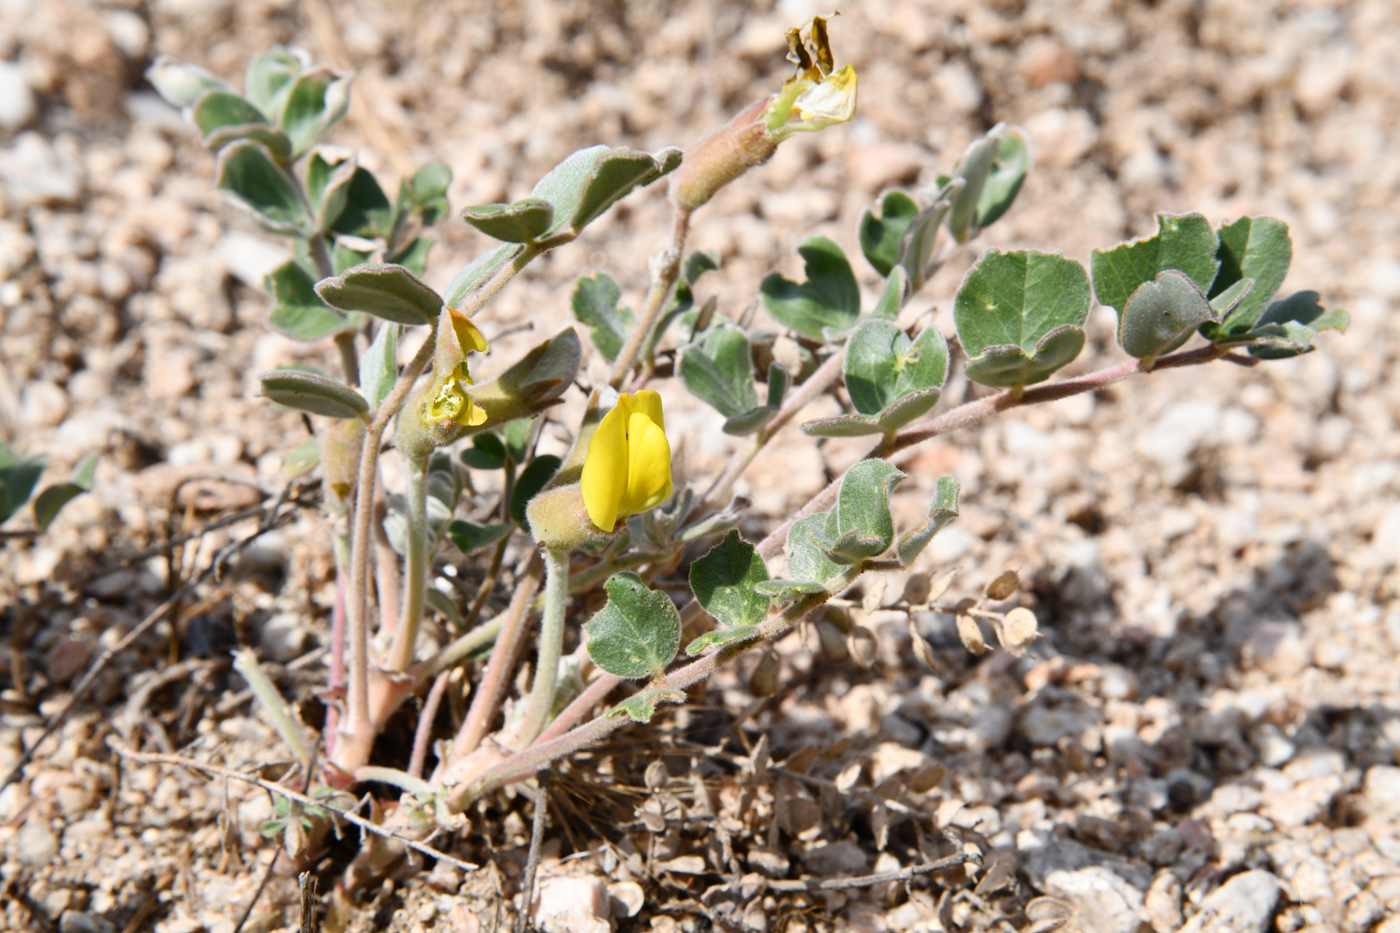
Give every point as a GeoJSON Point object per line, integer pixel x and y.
{"type": "Point", "coordinates": [608, 514]}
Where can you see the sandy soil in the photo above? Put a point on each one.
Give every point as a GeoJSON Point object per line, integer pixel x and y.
{"type": "Point", "coordinates": [1206, 738]}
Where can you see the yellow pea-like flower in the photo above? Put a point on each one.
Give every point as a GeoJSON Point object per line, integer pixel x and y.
{"type": "Point", "coordinates": [628, 466]}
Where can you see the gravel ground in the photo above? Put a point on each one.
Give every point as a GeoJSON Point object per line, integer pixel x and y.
{"type": "Point", "coordinates": [1208, 735]}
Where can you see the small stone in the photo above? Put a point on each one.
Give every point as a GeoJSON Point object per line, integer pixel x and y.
{"type": "Point", "coordinates": [42, 404]}
{"type": "Point", "coordinates": [1380, 793]}
{"type": "Point", "coordinates": [572, 905]}
{"type": "Point", "coordinates": [958, 89]}
{"type": "Point", "coordinates": [890, 758]}
{"type": "Point", "coordinates": [1044, 725]}
{"type": "Point", "coordinates": [35, 844]}
{"type": "Point", "coordinates": [1046, 60]}
{"type": "Point", "coordinates": [880, 165]}
{"type": "Point", "coordinates": [1163, 902]}
{"type": "Point", "coordinates": [627, 898]}
{"type": "Point", "coordinates": [79, 921]}
{"type": "Point", "coordinates": [34, 174]}
{"type": "Point", "coordinates": [771, 863]}
{"type": "Point", "coordinates": [1244, 904]}
{"type": "Point", "coordinates": [16, 97]}
{"type": "Point", "coordinates": [841, 857]}
{"type": "Point", "coordinates": [1100, 833]}
{"type": "Point", "coordinates": [1277, 649]}
{"type": "Point", "coordinates": [1105, 901]}
{"type": "Point", "coordinates": [283, 638]}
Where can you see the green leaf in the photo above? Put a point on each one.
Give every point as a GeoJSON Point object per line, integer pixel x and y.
{"type": "Point", "coordinates": [807, 562]}
{"type": "Point", "coordinates": [973, 168]}
{"type": "Point", "coordinates": [942, 511]}
{"type": "Point", "coordinates": [386, 291]}
{"type": "Point", "coordinates": [328, 177]}
{"type": "Point", "coordinates": [1186, 243]}
{"type": "Point", "coordinates": [444, 605]}
{"type": "Point", "coordinates": [842, 426]}
{"type": "Point", "coordinates": [516, 435]}
{"type": "Point", "coordinates": [883, 365]}
{"type": "Point", "coordinates": [521, 222]}
{"type": "Point", "coordinates": [469, 536]}
{"type": "Point", "coordinates": [303, 457]}
{"type": "Point", "coordinates": [591, 180]}
{"type": "Point", "coordinates": [1014, 368]}
{"type": "Point", "coordinates": [748, 422]}
{"type": "Point", "coordinates": [892, 297]}
{"type": "Point", "coordinates": [1288, 327]}
{"type": "Point", "coordinates": [487, 452]}
{"type": "Point", "coordinates": [829, 297]}
{"type": "Point", "coordinates": [414, 256]}
{"type": "Point", "coordinates": [640, 707]}
{"type": "Point", "coordinates": [861, 525]}
{"type": "Point", "coordinates": [54, 498]}
{"type": "Point", "coordinates": [309, 392]}
{"type": "Point", "coordinates": [919, 239]}
{"type": "Point", "coordinates": [223, 117]}
{"type": "Point", "coordinates": [270, 76]}
{"type": "Point", "coordinates": [637, 633]}
{"type": "Point", "coordinates": [316, 102]}
{"type": "Point", "coordinates": [297, 310]}
{"type": "Point", "coordinates": [1258, 248]}
{"type": "Point", "coordinates": [723, 582]}
{"type": "Point", "coordinates": [719, 370]}
{"type": "Point", "coordinates": [430, 182]}
{"type": "Point", "coordinates": [181, 84]}
{"type": "Point", "coordinates": [250, 177]}
{"type": "Point", "coordinates": [1010, 165]}
{"type": "Point", "coordinates": [379, 367]}
{"type": "Point", "coordinates": [723, 637]}
{"type": "Point", "coordinates": [1019, 316]}
{"type": "Point", "coordinates": [528, 484]}
{"type": "Point", "coordinates": [778, 382]}
{"type": "Point", "coordinates": [595, 304]}
{"type": "Point", "coordinates": [1162, 314]}
{"type": "Point", "coordinates": [882, 234]}
{"type": "Point", "coordinates": [367, 212]}
{"type": "Point", "coordinates": [478, 272]}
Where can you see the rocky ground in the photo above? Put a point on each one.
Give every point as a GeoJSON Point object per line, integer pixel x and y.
{"type": "Point", "coordinates": [1206, 738]}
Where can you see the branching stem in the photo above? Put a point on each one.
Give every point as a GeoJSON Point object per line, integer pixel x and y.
{"type": "Point", "coordinates": [415, 567]}
{"type": "Point", "coordinates": [666, 269]}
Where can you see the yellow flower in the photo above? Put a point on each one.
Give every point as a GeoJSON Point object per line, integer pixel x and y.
{"type": "Point", "coordinates": [457, 336]}
{"type": "Point", "coordinates": [628, 466]}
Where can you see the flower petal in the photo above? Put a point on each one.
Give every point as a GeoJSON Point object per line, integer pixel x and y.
{"type": "Point", "coordinates": [648, 464]}
{"type": "Point", "coordinates": [604, 480]}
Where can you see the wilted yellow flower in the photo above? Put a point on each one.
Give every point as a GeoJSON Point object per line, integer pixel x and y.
{"type": "Point", "coordinates": [816, 96]}
{"type": "Point", "coordinates": [457, 336]}
{"type": "Point", "coordinates": [628, 466]}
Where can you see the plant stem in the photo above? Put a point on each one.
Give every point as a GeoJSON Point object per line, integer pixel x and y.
{"type": "Point", "coordinates": [665, 270]}
{"type": "Point", "coordinates": [556, 598]}
{"type": "Point", "coordinates": [817, 383]}
{"type": "Point", "coordinates": [493, 682]}
{"type": "Point", "coordinates": [541, 753]}
{"type": "Point", "coordinates": [349, 357]}
{"type": "Point", "coordinates": [461, 647]}
{"type": "Point", "coordinates": [424, 732]}
{"type": "Point", "coordinates": [359, 729]}
{"type": "Point", "coordinates": [488, 583]}
{"type": "Point", "coordinates": [415, 568]}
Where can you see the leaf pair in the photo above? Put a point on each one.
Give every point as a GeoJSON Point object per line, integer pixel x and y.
{"type": "Point", "coordinates": [891, 380]}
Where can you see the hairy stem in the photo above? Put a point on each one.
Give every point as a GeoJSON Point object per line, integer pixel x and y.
{"type": "Point", "coordinates": [415, 576]}
{"type": "Point", "coordinates": [424, 731]}
{"type": "Point", "coordinates": [556, 598]}
{"type": "Point", "coordinates": [665, 270]}
{"type": "Point", "coordinates": [491, 690]}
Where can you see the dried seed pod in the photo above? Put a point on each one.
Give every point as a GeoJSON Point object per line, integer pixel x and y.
{"type": "Point", "coordinates": [917, 589]}
{"type": "Point", "coordinates": [862, 645]}
{"type": "Point", "coordinates": [833, 640]}
{"type": "Point", "coordinates": [926, 779]}
{"type": "Point", "coordinates": [1003, 587]}
{"type": "Point", "coordinates": [656, 776]}
{"type": "Point", "coordinates": [848, 776]}
{"type": "Point", "coordinates": [764, 681]}
{"type": "Point", "coordinates": [1017, 630]}
{"type": "Point", "coordinates": [874, 596]}
{"type": "Point", "coordinates": [940, 586]}
{"type": "Point", "coordinates": [922, 651]}
{"type": "Point", "coordinates": [971, 634]}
